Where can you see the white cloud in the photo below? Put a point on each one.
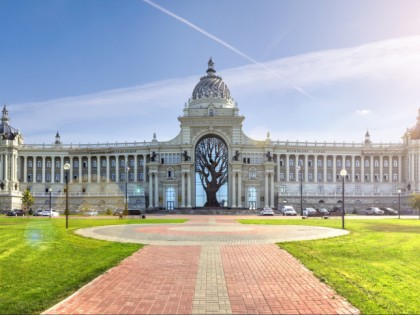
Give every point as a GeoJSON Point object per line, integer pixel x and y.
{"type": "Point", "coordinates": [363, 112]}
{"type": "Point", "coordinates": [381, 76]}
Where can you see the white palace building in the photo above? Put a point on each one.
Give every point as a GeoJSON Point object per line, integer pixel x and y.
{"type": "Point", "coordinates": [162, 175]}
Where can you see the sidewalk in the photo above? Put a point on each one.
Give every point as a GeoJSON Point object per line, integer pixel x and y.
{"type": "Point", "coordinates": [207, 277]}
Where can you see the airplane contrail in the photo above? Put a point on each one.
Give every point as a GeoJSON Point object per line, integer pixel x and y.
{"type": "Point", "coordinates": [223, 43]}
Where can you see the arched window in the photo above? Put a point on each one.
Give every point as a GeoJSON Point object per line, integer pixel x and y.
{"type": "Point", "coordinates": [252, 173]}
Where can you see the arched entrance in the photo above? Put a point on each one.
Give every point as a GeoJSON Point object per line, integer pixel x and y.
{"type": "Point", "coordinates": [211, 172]}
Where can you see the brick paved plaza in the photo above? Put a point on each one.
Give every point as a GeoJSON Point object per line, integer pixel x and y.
{"type": "Point", "coordinates": [208, 265]}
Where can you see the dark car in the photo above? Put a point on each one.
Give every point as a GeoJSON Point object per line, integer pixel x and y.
{"type": "Point", "coordinates": [389, 211]}
{"type": "Point", "coordinates": [16, 213]}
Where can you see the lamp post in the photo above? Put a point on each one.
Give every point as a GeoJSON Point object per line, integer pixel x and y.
{"type": "Point", "coordinates": [301, 190]}
{"type": "Point", "coordinates": [50, 191]}
{"type": "Point", "coordinates": [66, 176]}
{"type": "Point", "coordinates": [126, 190]}
{"type": "Point", "coordinates": [343, 174]}
{"type": "Point", "coordinates": [399, 203]}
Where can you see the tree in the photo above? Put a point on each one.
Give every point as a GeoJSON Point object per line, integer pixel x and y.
{"type": "Point", "coordinates": [27, 200]}
{"type": "Point", "coordinates": [415, 202]}
{"type": "Point", "coordinates": [211, 163]}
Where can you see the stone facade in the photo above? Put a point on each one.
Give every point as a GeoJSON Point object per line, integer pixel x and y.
{"type": "Point", "coordinates": [161, 174]}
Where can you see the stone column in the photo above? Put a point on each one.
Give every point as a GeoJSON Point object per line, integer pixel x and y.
{"type": "Point", "coordinates": [239, 189]}
{"type": "Point", "coordinates": [362, 168]}
{"type": "Point", "coordinates": [53, 169]}
{"type": "Point", "coordinates": [108, 175]}
{"type": "Point", "coordinates": [117, 168]}
{"type": "Point", "coordinates": [189, 190]}
{"type": "Point", "coordinates": [80, 168]}
{"type": "Point", "coordinates": [266, 190]}
{"type": "Point", "coordinates": [315, 168]}
{"type": "Point", "coordinates": [233, 189]}
{"type": "Point", "coordinates": [34, 169]}
{"type": "Point", "coordinates": [399, 169]}
{"type": "Point", "coordinates": [157, 189]}
{"type": "Point", "coordinates": [371, 169]}
{"type": "Point", "coordinates": [272, 190]}
{"type": "Point", "coordinates": [390, 168]}
{"type": "Point", "coordinates": [89, 169]}
{"type": "Point", "coordinates": [335, 168]}
{"type": "Point", "coordinates": [306, 169]}
{"type": "Point", "coordinates": [25, 169]}
{"type": "Point", "coordinates": [43, 170]}
{"type": "Point", "coordinates": [287, 167]}
{"type": "Point", "coordinates": [278, 168]}
{"type": "Point", "coordinates": [61, 169]}
{"type": "Point", "coordinates": [381, 169]}
{"type": "Point", "coordinates": [182, 189]}
{"type": "Point", "coordinates": [325, 167]}
{"type": "Point", "coordinates": [144, 168]}
{"type": "Point", "coordinates": [136, 172]}
{"type": "Point", "coordinates": [151, 203]}
{"type": "Point", "coordinates": [353, 170]}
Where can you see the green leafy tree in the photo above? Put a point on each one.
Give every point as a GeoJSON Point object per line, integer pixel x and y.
{"type": "Point", "coordinates": [27, 200]}
{"type": "Point", "coordinates": [415, 202]}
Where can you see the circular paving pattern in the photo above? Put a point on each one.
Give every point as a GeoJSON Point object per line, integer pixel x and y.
{"type": "Point", "coordinates": [208, 233]}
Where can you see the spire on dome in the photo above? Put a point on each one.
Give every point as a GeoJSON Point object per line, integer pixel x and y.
{"type": "Point", "coordinates": [367, 137]}
{"type": "Point", "coordinates": [5, 116]}
{"type": "Point", "coordinates": [57, 138]}
{"type": "Point", "coordinates": [210, 70]}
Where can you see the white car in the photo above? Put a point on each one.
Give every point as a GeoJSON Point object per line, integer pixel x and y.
{"type": "Point", "coordinates": [309, 211]}
{"type": "Point", "coordinates": [267, 211]}
{"type": "Point", "coordinates": [46, 213]}
{"type": "Point", "coordinates": [373, 211]}
{"type": "Point", "coordinates": [91, 213]}
{"type": "Point", "coordinates": [288, 210]}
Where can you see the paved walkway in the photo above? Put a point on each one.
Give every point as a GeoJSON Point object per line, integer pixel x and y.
{"type": "Point", "coordinates": [209, 265]}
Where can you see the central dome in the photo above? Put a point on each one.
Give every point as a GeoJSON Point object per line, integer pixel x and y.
{"type": "Point", "coordinates": [211, 86]}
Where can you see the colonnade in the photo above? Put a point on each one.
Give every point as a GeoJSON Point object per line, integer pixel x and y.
{"type": "Point", "coordinates": [356, 173]}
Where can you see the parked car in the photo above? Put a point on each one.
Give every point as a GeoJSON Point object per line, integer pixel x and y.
{"type": "Point", "coordinates": [46, 213]}
{"type": "Point", "coordinates": [91, 213]}
{"type": "Point", "coordinates": [323, 211]}
{"type": "Point", "coordinates": [309, 212]}
{"type": "Point", "coordinates": [38, 212]}
{"type": "Point", "coordinates": [389, 211]}
{"type": "Point", "coordinates": [373, 211]}
{"type": "Point", "coordinates": [16, 213]}
{"type": "Point", "coordinates": [267, 211]}
{"type": "Point", "coordinates": [288, 210]}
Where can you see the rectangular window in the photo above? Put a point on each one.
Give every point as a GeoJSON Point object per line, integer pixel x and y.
{"type": "Point", "coordinates": [282, 189]}
{"type": "Point", "coordinates": [291, 176]}
{"type": "Point", "coordinates": [366, 177]}
{"type": "Point", "coordinates": [329, 163]}
{"type": "Point", "coordinates": [281, 162]}
{"type": "Point", "coordinates": [395, 163]}
{"type": "Point", "coordinates": [281, 176]}
{"type": "Point", "coordinates": [141, 162]}
{"type": "Point", "coordinates": [310, 163]}
{"type": "Point", "coordinates": [38, 178]}
{"type": "Point", "coordinates": [319, 163]}
{"type": "Point", "coordinates": [57, 164]}
{"type": "Point", "coordinates": [29, 163]}
{"type": "Point", "coordinates": [113, 177]}
{"type": "Point", "coordinates": [132, 163]}
{"type": "Point", "coordinates": [141, 177]}
{"type": "Point", "coordinates": [329, 177]}
{"type": "Point", "coordinates": [291, 162]}
{"type": "Point", "coordinates": [347, 163]}
{"type": "Point", "coordinates": [103, 163]}
{"type": "Point", "coordinates": [113, 163]}
{"type": "Point", "coordinates": [385, 177]}
{"type": "Point", "coordinates": [395, 177]}
{"type": "Point", "coordinates": [357, 163]}
{"type": "Point", "coordinates": [357, 177]}
{"type": "Point", "coordinates": [310, 177]}
{"type": "Point", "coordinates": [38, 163]}
{"type": "Point", "coordinates": [320, 177]}
{"type": "Point", "coordinates": [57, 177]}
{"type": "Point", "coordinates": [366, 163]}
{"type": "Point", "coordinates": [48, 164]}
{"type": "Point", "coordinates": [122, 163]}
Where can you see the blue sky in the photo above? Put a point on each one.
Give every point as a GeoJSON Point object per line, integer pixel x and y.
{"type": "Point", "coordinates": [111, 70]}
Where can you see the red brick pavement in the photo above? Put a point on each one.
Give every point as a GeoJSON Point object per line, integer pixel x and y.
{"type": "Point", "coordinates": [263, 279]}
{"type": "Point", "coordinates": [155, 280]}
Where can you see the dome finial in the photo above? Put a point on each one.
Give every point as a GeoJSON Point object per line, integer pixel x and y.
{"type": "Point", "coordinates": [210, 70]}
{"type": "Point", "coordinates": [5, 117]}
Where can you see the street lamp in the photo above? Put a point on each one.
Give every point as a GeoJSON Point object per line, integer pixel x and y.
{"type": "Point", "coordinates": [50, 191]}
{"type": "Point", "coordinates": [126, 190]}
{"type": "Point", "coordinates": [66, 176]}
{"type": "Point", "coordinates": [301, 190]}
{"type": "Point", "coordinates": [399, 203]}
{"type": "Point", "coordinates": [343, 174]}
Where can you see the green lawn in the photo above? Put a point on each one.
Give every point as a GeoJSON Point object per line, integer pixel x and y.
{"type": "Point", "coordinates": [41, 262]}
{"type": "Point", "coordinates": [376, 267]}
